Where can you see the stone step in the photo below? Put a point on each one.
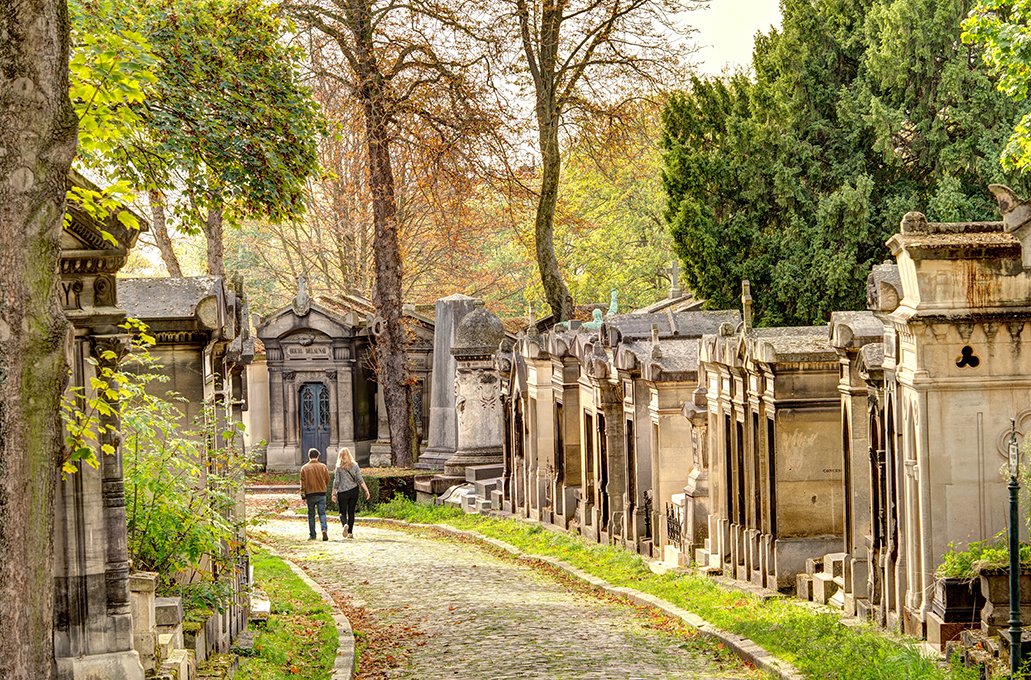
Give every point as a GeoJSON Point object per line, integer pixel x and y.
{"type": "Point", "coordinates": [814, 565]}
{"type": "Point", "coordinates": [483, 505]}
{"type": "Point", "coordinates": [484, 487]}
{"type": "Point", "coordinates": [824, 588]}
{"type": "Point", "coordinates": [477, 472]}
{"type": "Point", "coordinates": [497, 500]}
{"type": "Point", "coordinates": [436, 484]}
{"type": "Point", "coordinates": [804, 587]}
{"type": "Point", "coordinates": [701, 555]}
{"type": "Point", "coordinates": [834, 564]}
{"type": "Point", "coordinates": [864, 610]}
{"type": "Point", "coordinates": [180, 664]}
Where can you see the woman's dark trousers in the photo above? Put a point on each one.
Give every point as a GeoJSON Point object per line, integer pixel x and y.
{"type": "Point", "coordinates": [348, 502]}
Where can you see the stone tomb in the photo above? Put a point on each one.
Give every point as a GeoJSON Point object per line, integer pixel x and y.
{"type": "Point", "coordinates": [442, 435]}
{"type": "Point", "coordinates": [322, 392]}
{"type": "Point", "coordinates": [775, 455]}
{"type": "Point", "coordinates": [963, 370]}
{"type": "Point", "coordinates": [203, 346]}
{"type": "Point", "coordinates": [93, 634]}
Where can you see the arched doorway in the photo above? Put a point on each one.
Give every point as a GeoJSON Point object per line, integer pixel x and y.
{"type": "Point", "coordinates": [314, 419]}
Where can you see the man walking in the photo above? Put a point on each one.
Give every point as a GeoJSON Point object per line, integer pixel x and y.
{"type": "Point", "coordinates": [314, 482]}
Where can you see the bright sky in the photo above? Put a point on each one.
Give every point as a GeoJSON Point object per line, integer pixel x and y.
{"type": "Point", "coordinates": [727, 28]}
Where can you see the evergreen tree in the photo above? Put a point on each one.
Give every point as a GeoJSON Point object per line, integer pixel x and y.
{"type": "Point", "coordinates": [794, 177]}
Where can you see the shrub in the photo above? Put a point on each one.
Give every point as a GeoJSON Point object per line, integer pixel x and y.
{"type": "Point", "coordinates": [384, 484]}
{"type": "Point", "coordinates": [981, 556]}
{"type": "Point", "coordinates": [182, 484]}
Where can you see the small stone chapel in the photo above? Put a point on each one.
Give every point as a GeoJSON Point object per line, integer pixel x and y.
{"type": "Point", "coordinates": [321, 378]}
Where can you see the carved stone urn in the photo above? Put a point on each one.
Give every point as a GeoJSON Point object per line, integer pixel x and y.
{"type": "Point", "coordinates": [477, 392]}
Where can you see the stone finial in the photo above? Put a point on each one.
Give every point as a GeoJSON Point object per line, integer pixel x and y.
{"type": "Point", "coordinates": [1016, 218]}
{"type": "Point", "coordinates": [883, 288]}
{"type": "Point", "coordinates": [746, 303]}
{"type": "Point", "coordinates": [531, 328]}
{"type": "Point", "coordinates": [479, 332]}
{"type": "Point", "coordinates": [913, 223]}
{"type": "Point", "coordinates": [302, 303]}
{"type": "Point", "coordinates": [656, 350]}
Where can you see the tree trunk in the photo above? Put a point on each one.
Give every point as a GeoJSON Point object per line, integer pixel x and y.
{"type": "Point", "coordinates": [386, 295]}
{"type": "Point", "coordinates": [392, 338]}
{"type": "Point", "coordinates": [38, 136]}
{"type": "Point", "coordinates": [213, 233]}
{"type": "Point", "coordinates": [555, 290]}
{"type": "Point", "coordinates": [160, 231]}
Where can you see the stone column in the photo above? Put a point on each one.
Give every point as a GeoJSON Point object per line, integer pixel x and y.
{"type": "Point", "coordinates": [442, 438]}
{"type": "Point", "coordinates": [477, 393]}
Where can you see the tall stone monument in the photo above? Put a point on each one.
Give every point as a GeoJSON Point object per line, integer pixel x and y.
{"type": "Point", "coordinates": [477, 390]}
{"type": "Point", "coordinates": [443, 431]}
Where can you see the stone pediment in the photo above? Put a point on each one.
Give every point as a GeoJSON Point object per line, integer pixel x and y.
{"type": "Point", "coordinates": [284, 323]}
{"type": "Point", "coordinates": [84, 248]}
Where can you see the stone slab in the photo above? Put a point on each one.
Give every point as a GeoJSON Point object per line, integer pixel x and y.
{"type": "Point", "coordinates": [436, 484]}
{"type": "Point", "coordinates": [474, 473]}
{"type": "Point", "coordinates": [114, 666]}
{"type": "Point", "coordinates": [824, 588]}
{"type": "Point", "coordinates": [168, 611]}
{"type": "Point", "coordinates": [939, 633]}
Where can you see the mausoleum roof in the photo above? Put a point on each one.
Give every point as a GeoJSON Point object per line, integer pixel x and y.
{"type": "Point", "coordinates": [693, 324]}
{"type": "Point", "coordinates": [792, 344]}
{"type": "Point", "coordinates": [855, 329]}
{"type": "Point", "coordinates": [167, 298]}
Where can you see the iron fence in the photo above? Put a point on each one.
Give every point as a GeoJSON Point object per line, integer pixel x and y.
{"type": "Point", "coordinates": [675, 526]}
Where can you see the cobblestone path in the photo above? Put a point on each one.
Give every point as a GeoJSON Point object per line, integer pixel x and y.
{"type": "Point", "coordinates": [476, 616]}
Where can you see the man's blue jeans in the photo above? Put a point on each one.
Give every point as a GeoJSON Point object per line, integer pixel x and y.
{"type": "Point", "coordinates": [316, 502]}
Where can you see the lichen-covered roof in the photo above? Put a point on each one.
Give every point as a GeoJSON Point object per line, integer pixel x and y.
{"type": "Point", "coordinates": [167, 298]}
{"type": "Point", "coordinates": [692, 324]}
{"type": "Point", "coordinates": [793, 344]}
{"type": "Point", "coordinates": [855, 329]}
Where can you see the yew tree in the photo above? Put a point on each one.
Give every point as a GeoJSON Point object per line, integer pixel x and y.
{"type": "Point", "coordinates": [794, 176]}
{"type": "Point", "coordinates": [38, 137]}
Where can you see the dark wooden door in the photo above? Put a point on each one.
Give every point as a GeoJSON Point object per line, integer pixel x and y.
{"type": "Point", "coordinates": [314, 419]}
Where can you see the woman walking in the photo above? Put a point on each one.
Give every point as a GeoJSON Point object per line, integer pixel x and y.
{"type": "Point", "coordinates": [346, 480]}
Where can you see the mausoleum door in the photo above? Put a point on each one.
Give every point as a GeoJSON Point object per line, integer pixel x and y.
{"type": "Point", "coordinates": [314, 419]}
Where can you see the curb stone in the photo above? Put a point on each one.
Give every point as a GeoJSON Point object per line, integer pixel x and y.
{"type": "Point", "coordinates": [343, 667]}
{"type": "Point", "coordinates": [742, 647]}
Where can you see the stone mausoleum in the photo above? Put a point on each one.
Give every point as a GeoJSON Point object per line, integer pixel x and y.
{"type": "Point", "coordinates": [321, 378]}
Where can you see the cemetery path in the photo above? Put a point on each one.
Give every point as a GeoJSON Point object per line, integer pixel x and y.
{"type": "Point", "coordinates": [445, 609]}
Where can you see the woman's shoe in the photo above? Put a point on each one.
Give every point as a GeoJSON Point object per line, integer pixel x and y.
{"type": "Point", "coordinates": [345, 532]}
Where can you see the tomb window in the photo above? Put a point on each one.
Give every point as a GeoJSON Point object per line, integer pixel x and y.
{"type": "Point", "coordinates": [967, 358]}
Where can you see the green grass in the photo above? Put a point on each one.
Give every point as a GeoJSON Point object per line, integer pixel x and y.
{"type": "Point", "coordinates": [814, 642]}
{"type": "Point", "coordinates": [300, 639]}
